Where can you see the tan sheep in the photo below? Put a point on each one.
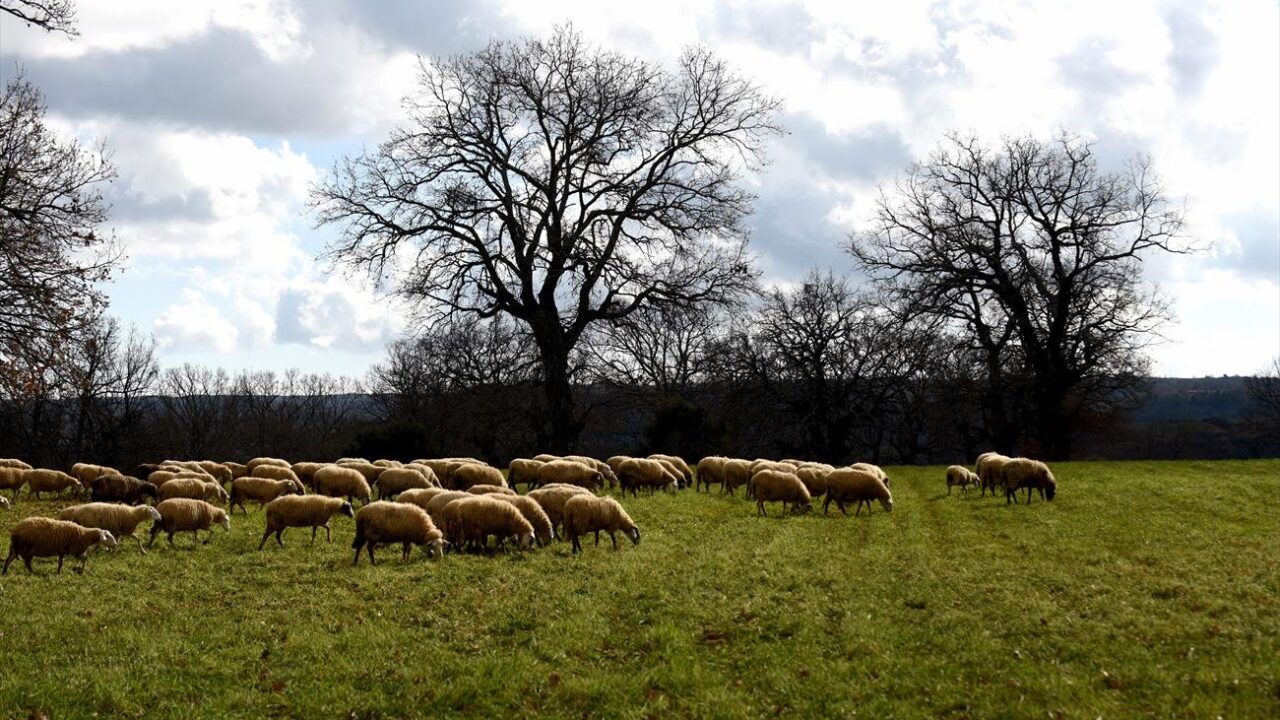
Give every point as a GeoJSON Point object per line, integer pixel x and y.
{"type": "Point", "coordinates": [260, 490]}
{"type": "Point", "coordinates": [570, 472]}
{"type": "Point", "coordinates": [475, 518]}
{"type": "Point", "coordinates": [639, 473]}
{"type": "Point", "coordinates": [710, 472]}
{"type": "Point", "coordinates": [394, 481]}
{"type": "Point", "coordinates": [779, 486]}
{"type": "Point", "coordinates": [475, 474]}
{"type": "Point", "coordinates": [420, 496]}
{"type": "Point", "coordinates": [602, 467]}
{"type": "Point", "coordinates": [217, 470]}
{"type": "Point", "coordinates": [254, 463]}
{"type": "Point", "coordinates": [682, 467]}
{"type": "Point", "coordinates": [44, 537]}
{"type": "Point", "coordinates": [847, 485]}
{"type": "Point", "coordinates": [238, 470]}
{"type": "Point", "coordinates": [119, 520]}
{"type": "Point", "coordinates": [552, 500]}
{"type": "Point", "coordinates": [736, 474]}
{"type": "Point", "coordinates": [814, 478]}
{"type": "Point", "coordinates": [275, 472]}
{"type": "Point", "coordinates": [188, 515]}
{"type": "Point", "coordinates": [426, 472]}
{"type": "Point", "coordinates": [490, 490]}
{"type": "Point", "coordinates": [338, 481]}
{"type": "Point", "coordinates": [12, 479]}
{"type": "Point", "coordinates": [193, 488]}
{"type": "Point", "coordinates": [388, 463]}
{"type": "Point", "coordinates": [313, 511]}
{"type": "Point", "coordinates": [382, 523]}
{"type": "Point", "coordinates": [533, 512]}
{"type": "Point", "coordinates": [523, 471]}
{"type": "Point", "coordinates": [121, 488]}
{"type": "Point", "coordinates": [370, 471]}
{"type": "Point", "coordinates": [874, 470]}
{"type": "Point", "coordinates": [616, 461]}
{"type": "Point", "coordinates": [86, 473]}
{"type": "Point", "coordinates": [438, 503]}
{"type": "Point", "coordinates": [586, 514]}
{"type": "Point", "coordinates": [547, 457]}
{"type": "Point", "coordinates": [54, 481]}
{"type": "Point", "coordinates": [961, 476]}
{"type": "Point", "coordinates": [160, 477]}
{"type": "Point", "coordinates": [306, 472]}
{"type": "Point", "coordinates": [990, 468]}
{"type": "Point", "coordinates": [1019, 473]}
{"type": "Point", "coordinates": [15, 464]}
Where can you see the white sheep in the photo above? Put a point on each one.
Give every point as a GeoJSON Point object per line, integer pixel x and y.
{"type": "Point", "coordinates": [586, 513]}
{"type": "Point", "coordinates": [382, 523]}
{"type": "Point", "coordinates": [45, 537]}
{"type": "Point", "coordinates": [780, 486]}
{"type": "Point", "coordinates": [119, 520]}
{"type": "Point", "coordinates": [313, 511]}
{"type": "Point", "coordinates": [188, 515]}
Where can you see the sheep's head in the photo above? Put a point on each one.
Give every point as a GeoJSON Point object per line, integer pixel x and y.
{"type": "Point", "coordinates": [434, 548]}
{"type": "Point", "coordinates": [149, 489]}
{"type": "Point", "coordinates": [347, 510]}
{"type": "Point", "coordinates": [295, 488]}
{"type": "Point", "coordinates": [887, 503]}
{"type": "Point", "coordinates": [223, 519]}
{"type": "Point", "coordinates": [153, 513]}
{"type": "Point", "coordinates": [1050, 488]}
{"type": "Point", "coordinates": [526, 541]}
{"type": "Point", "coordinates": [633, 532]}
{"type": "Point", "coordinates": [107, 540]}
{"type": "Point", "coordinates": [801, 509]}
{"type": "Point", "coordinates": [4, 503]}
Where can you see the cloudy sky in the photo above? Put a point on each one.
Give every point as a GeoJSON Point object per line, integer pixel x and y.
{"type": "Point", "coordinates": [221, 113]}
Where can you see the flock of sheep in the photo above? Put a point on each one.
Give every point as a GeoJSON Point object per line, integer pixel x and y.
{"type": "Point", "coordinates": [436, 504]}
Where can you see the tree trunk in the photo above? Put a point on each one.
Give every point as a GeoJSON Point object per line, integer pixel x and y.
{"type": "Point", "coordinates": [1053, 431]}
{"type": "Point", "coordinates": [563, 423]}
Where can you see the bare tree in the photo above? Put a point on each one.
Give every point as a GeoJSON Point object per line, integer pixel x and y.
{"type": "Point", "coordinates": [51, 252]}
{"type": "Point", "coordinates": [1264, 391]}
{"type": "Point", "coordinates": [561, 185]}
{"type": "Point", "coordinates": [1035, 254]}
{"type": "Point", "coordinates": [52, 15]}
{"type": "Point", "coordinates": [663, 348]}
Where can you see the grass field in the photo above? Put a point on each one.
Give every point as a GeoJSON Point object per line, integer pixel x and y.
{"type": "Point", "coordinates": [1144, 590]}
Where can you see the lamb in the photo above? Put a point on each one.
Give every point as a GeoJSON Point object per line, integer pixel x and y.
{"type": "Point", "coordinates": [602, 467]}
{"type": "Point", "coordinates": [275, 472]}
{"type": "Point", "coordinates": [254, 463]}
{"type": "Point", "coordinates": [552, 500]}
{"type": "Point", "coordinates": [474, 519]}
{"type": "Point", "coordinates": [570, 472]}
{"type": "Point", "coordinates": [490, 490]}
{"type": "Point", "coordinates": [735, 474]}
{"type": "Point", "coordinates": [533, 512]}
{"type": "Point", "coordinates": [313, 511]}
{"type": "Point", "coordinates": [382, 522]}
{"type": "Point", "coordinates": [990, 468]}
{"type": "Point", "coordinates": [193, 488]}
{"type": "Point", "coordinates": [394, 481]}
{"type": "Point", "coordinates": [681, 467]}
{"type": "Point", "coordinates": [873, 469]}
{"type": "Point", "coordinates": [710, 471]}
{"type": "Point", "coordinates": [523, 471]}
{"type": "Point", "coordinates": [121, 488]}
{"type": "Point", "coordinates": [54, 481]}
{"type": "Point", "coordinates": [962, 476]}
{"type": "Point", "coordinates": [12, 479]}
{"type": "Point", "coordinates": [476, 474]}
{"type": "Point", "coordinates": [644, 472]}
{"type": "Point", "coordinates": [45, 537]}
{"type": "Point", "coordinates": [188, 515]}
{"type": "Point", "coordinates": [15, 464]}
{"type": "Point", "coordinates": [337, 481]}
{"type": "Point", "coordinates": [420, 496]}
{"type": "Point", "coordinates": [1021, 473]}
{"type": "Point", "coordinates": [586, 513]}
{"type": "Point", "coordinates": [848, 485]}
{"type": "Point", "coordinates": [784, 487]}
{"type": "Point", "coordinates": [260, 490]}
{"type": "Point", "coordinates": [119, 520]}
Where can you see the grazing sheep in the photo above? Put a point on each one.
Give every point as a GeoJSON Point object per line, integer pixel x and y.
{"type": "Point", "coordinates": [254, 463]}
{"type": "Point", "coordinates": [523, 471]}
{"type": "Point", "coordinates": [338, 481]}
{"type": "Point", "coordinates": [193, 488]}
{"type": "Point", "coordinates": [388, 463]}
{"type": "Point", "coordinates": [784, 487]}
{"type": "Point", "coordinates": [12, 479]}
{"type": "Point", "coordinates": [15, 464]}
{"type": "Point", "coordinates": [44, 537]}
{"type": "Point", "coordinates": [710, 471]}
{"type": "Point", "coordinates": [645, 472]}
{"type": "Point", "coordinates": [426, 472]}
{"type": "Point", "coordinates": [313, 511]}
{"type": "Point", "coordinates": [873, 469]}
{"type": "Point", "coordinates": [119, 520]}
{"type": "Point", "coordinates": [990, 468]}
{"type": "Point", "coordinates": [570, 472]}
{"type": "Point", "coordinates": [394, 481]}
{"type": "Point", "coordinates": [54, 481]}
{"type": "Point", "coordinates": [260, 490]}
{"type": "Point", "coordinates": [370, 471]}
{"type": "Point", "coordinates": [814, 479]}
{"type": "Point", "coordinates": [490, 490]}
{"type": "Point", "coordinates": [474, 519]}
{"type": "Point", "coordinates": [586, 513]}
{"type": "Point", "coordinates": [121, 488]}
{"type": "Point", "coordinates": [219, 471]}
{"type": "Point", "coordinates": [735, 474]}
{"type": "Point", "coordinates": [87, 473]}
{"type": "Point", "coordinates": [306, 472]}
{"type": "Point", "coordinates": [546, 457]}
{"type": "Point", "coordinates": [681, 467]}
{"type": "Point", "coordinates": [847, 485]}
{"type": "Point", "coordinates": [438, 503]}
{"type": "Point", "coordinates": [188, 515]}
{"type": "Point", "coordinates": [5, 504]}
{"type": "Point", "coordinates": [533, 512]}
{"type": "Point", "coordinates": [474, 474]}
{"type": "Point", "coordinates": [382, 522]}
{"type": "Point", "coordinates": [552, 500]}
{"type": "Point", "coordinates": [616, 461]}
{"type": "Point", "coordinates": [603, 468]}
{"type": "Point", "coordinates": [341, 460]}
{"type": "Point", "coordinates": [275, 472]}
{"type": "Point", "coordinates": [962, 476]}
{"type": "Point", "coordinates": [160, 477]}
{"type": "Point", "coordinates": [1019, 473]}
{"type": "Point", "coordinates": [420, 496]}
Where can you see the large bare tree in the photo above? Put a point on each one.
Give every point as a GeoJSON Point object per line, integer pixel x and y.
{"type": "Point", "coordinates": [51, 15]}
{"type": "Point", "coordinates": [559, 184]}
{"type": "Point", "coordinates": [1035, 254]}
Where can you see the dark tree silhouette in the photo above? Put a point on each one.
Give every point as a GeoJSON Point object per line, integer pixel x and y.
{"type": "Point", "coordinates": [1034, 253]}
{"type": "Point", "coordinates": [1264, 391]}
{"type": "Point", "coordinates": [562, 185]}
{"type": "Point", "coordinates": [52, 15]}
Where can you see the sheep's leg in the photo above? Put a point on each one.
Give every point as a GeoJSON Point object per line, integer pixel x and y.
{"type": "Point", "coordinates": [169, 537]}
{"type": "Point", "coordinates": [760, 508]}
{"type": "Point", "coordinates": [843, 509]}
{"type": "Point", "coordinates": [614, 536]}
{"type": "Point", "coordinates": [266, 534]}
{"type": "Point", "coordinates": [356, 561]}
{"type": "Point", "coordinates": [371, 560]}
{"type": "Point", "coordinates": [279, 539]}
{"type": "Point", "coordinates": [577, 543]}
{"type": "Point", "coordinates": [314, 529]}
{"type": "Point", "coordinates": [60, 563]}
{"type": "Point", "coordinates": [7, 562]}
{"type": "Point", "coordinates": [327, 536]}
{"type": "Point", "coordinates": [858, 510]}
{"type": "Point", "coordinates": [598, 538]}
{"type": "Point", "coordinates": [404, 547]}
{"type": "Point", "coordinates": [139, 541]}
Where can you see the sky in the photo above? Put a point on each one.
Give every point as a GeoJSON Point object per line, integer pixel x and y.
{"type": "Point", "coordinates": [220, 114]}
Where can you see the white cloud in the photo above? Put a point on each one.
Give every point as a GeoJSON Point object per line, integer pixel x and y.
{"type": "Point", "coordinates": [194, 324]}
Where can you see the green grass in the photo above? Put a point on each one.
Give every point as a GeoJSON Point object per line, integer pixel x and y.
{"type": "Point", "coordinates": [1144, 590]}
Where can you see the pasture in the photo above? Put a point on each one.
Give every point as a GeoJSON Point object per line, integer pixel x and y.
{"type": "Point", "coordinates": [1144, 590]}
